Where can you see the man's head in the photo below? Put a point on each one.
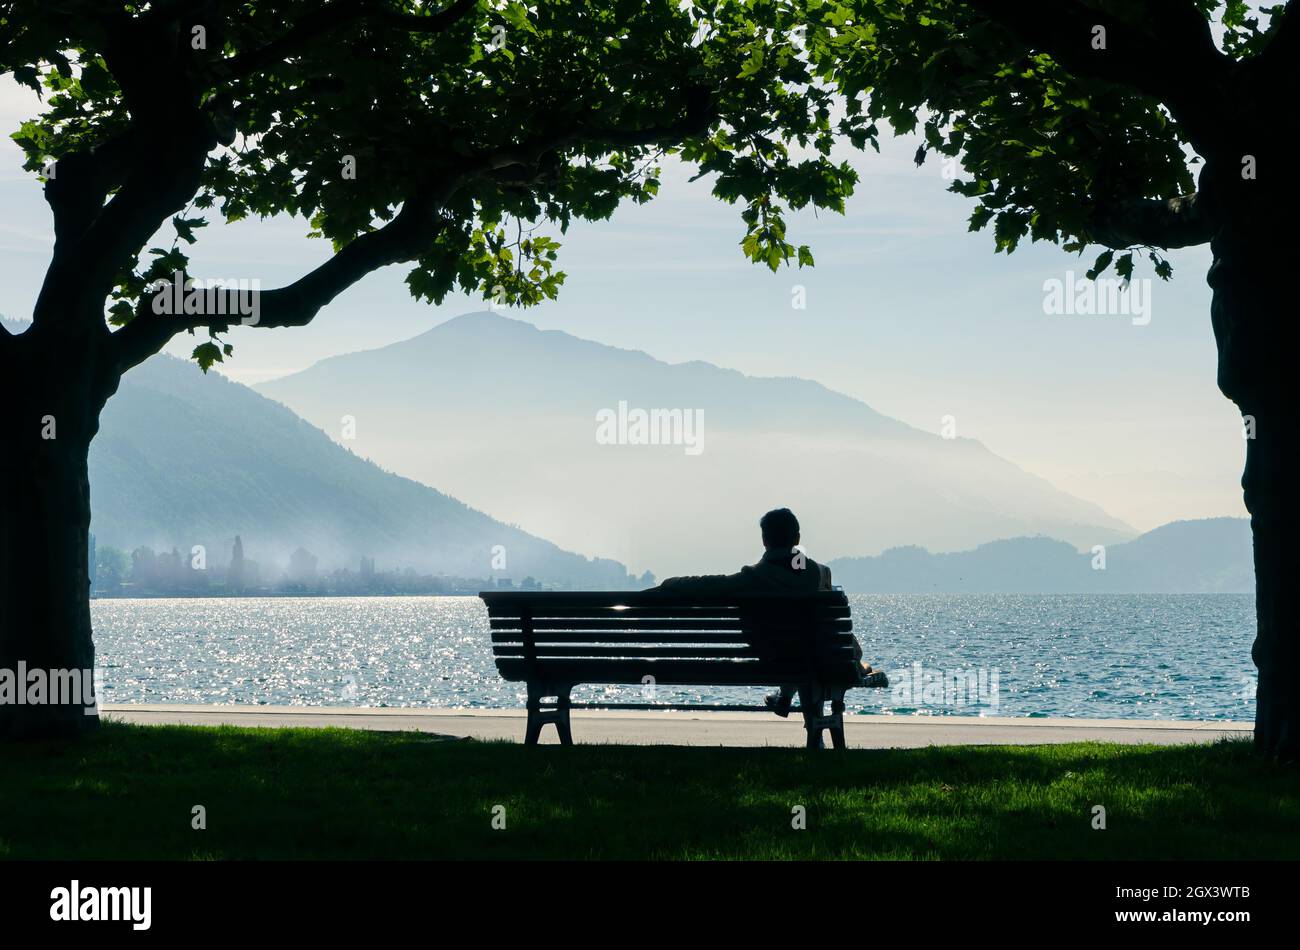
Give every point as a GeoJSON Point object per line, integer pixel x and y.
{"type": "Point", "coordinates": [780, 528]}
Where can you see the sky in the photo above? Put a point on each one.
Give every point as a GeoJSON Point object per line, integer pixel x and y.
{"type": "Point", "coordinates": [905, 310]}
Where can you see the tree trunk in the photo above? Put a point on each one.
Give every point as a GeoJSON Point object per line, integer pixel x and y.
{"type": "Point", "coordinates": [47, 390]}
{"type": "Point", "coordinates": [1270, 482]}
{"type": "Point", "coordinates": [1254, 324]}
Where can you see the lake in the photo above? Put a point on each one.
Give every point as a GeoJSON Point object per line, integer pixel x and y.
{"type": "Point", "coordinates": [1091, 655]}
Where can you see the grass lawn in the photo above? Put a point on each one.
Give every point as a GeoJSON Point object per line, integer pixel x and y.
{"type": "Point", "coordinates": [128, 792]}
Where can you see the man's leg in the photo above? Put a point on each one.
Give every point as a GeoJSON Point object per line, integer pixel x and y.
{"type": "Point", "coordinates": [781, 701]}
{"type": "Point", "coordinates": [870, 677]}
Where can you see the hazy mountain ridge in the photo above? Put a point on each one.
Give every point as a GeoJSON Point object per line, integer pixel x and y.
{"type": "Point", "coordinates": [184, 459]}
{"type": "Point", "coordinates": [1212, 555]}
{"type": "Point", "coordinates": [514, 410]}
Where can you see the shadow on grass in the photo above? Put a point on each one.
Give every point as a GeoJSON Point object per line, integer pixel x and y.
{"type": "Point", "coordinates": [131, 792]}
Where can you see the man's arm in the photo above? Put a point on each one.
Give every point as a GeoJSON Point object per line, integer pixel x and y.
{"type": "Point", "coordinates": [702, 584]}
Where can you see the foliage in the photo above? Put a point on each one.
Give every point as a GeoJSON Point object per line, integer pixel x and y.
{"type": "Point", "coordinates": [111, 567]}
{"type": "Point", "coordinates": [501, 123]}
{"type": "Point", "coordinates": [1043, 147]}
{"type": "Point", "coordinates": [519, 118]}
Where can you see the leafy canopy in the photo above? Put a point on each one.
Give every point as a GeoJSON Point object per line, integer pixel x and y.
{"type": "Point", "coordinates": [502, 127]}
{"type": "Point", "coordinates": [1055, 138]}
{"type": "Point", "coordinates": [479, 130]}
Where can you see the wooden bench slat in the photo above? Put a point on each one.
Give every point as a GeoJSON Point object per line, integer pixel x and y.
{"type": "Point", "coordinates": [642, 623]}
{"type": "Point", "coordinates": [703, 654]}
{"type": "Point", "coordinates": [619, 636]}
{"type": "Point", "coordinates": [565, 600]}
{"type": "Point", "coordinates": [614, 622]}
{"type": "Point", "coordinates": [692, 652]}
{"type": "Point", "coordinates": [542, 609]}
{"type": "Point", "coordinates": [667, 672]}
{"type": "Point", "coordinates": [797, 638]}
{"type": "Point", "coordinates": [578, 651]}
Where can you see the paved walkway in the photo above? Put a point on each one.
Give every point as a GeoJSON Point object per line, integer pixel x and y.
{"type": "Point", "coordinates": [695, 729]}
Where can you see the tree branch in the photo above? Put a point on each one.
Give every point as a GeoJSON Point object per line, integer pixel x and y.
{"type": "Point", "coordinates": [1172, 223]}
{"type": "Point", "coordinates": [81, 183]}
{"type": "Point", "coordinates": [700, 112]}
{"type": "Point", "coordinates": [87, 265]}
{"type": "Point", "coordinates": [1171, 56]}
{"type": "Point", "coordinates": [154, 166]}
{"type": "Point", "coordinates": [329, 18]}
{"type": "Point", "coordinates": [1286, 33]}
{"type": "Point", "coordinates": [401, 239]}
{"type": "Point", "coordinates": [1277, 62]}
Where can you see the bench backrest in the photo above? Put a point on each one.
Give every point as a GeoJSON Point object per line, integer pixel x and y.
{"type": "Point", "coordinates": [622, 637]}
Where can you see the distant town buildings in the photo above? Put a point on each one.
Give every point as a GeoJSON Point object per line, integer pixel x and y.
{"type": "Point", "coordinates": [176, 573]}
{"type": "Point", "coordinates": [302, 567]}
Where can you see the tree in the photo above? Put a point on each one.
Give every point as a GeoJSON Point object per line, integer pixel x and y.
{"type": "Point", "coordinates": [1081, 122]}
{"type": "Point", "coordinates": [443, 137]}
{"type": "Point", "coordinates": [111, 566]}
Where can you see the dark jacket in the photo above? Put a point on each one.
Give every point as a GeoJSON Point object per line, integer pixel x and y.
{"type": "Point", "coordinates": [781, 570]}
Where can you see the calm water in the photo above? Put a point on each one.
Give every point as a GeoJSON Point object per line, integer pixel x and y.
{"type": "Point", "coordinates": [1125, 656]}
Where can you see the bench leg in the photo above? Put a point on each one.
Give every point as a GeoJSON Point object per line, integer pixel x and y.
{"type": "Point", "coordinates": [562, 727]}
{"type": "Point", "coordinates": [535, 715]}
{"type": "Point", "coordinates": [562, 718]}
{"type": "Point", "coordinates": [534, 730]}
{"type": "Point", "coordinates": [558, 715]}
{"type": "Point", "coordinates": [811, 701]}
{"type": "Point", "coordinates": [837, 719]}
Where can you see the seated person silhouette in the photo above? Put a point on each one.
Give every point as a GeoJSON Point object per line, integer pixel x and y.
{"type": "Point", "coordinates": [781, 570]}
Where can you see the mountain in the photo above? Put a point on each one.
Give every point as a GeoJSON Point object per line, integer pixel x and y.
{"type": "Point", "coordinates": [1213, 555]}
{"type": "Point", "coordinates": [540, 428]}
{"type": "Point", "coordinates": [183, 459]}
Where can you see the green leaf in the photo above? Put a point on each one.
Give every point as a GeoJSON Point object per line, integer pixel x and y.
{"type": "Point", "coordinates": [205, 354]}
{"type": "Point", "coordinates": [1102, 262]}
{"type": "Point", "coordinates": [1124, 266]}
{"type": "Point", "coordinates": [185, 227]}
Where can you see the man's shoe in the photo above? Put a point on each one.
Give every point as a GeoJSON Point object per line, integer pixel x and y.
{"type": "Point", "coordinates": [779, 703]}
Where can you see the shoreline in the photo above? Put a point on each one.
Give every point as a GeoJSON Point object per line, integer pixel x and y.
{"type": "Point", "coordinates": [687, 728]}
{"type": "Point", "coordinates": [263, 594]}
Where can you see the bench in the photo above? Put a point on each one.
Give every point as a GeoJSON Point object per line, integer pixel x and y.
{"type": "Point", "coordinates": [555, 641]}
